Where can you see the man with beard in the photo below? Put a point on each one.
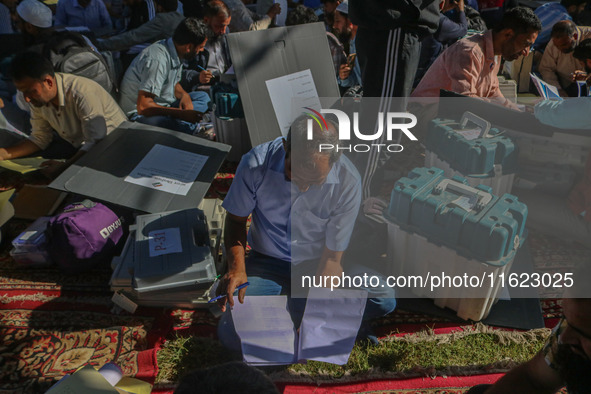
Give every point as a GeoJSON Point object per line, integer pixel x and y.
{"type": "Point", "coordinates": [349, 74]}
{"type": "Point", "coordinates": [209, 65]}
{"type": "Point", "coordinates": [151, 92]}
{"type": "Point", "coordinates": [565, 360]}
{"type": "Point", "coordinates": [69, 114]}
{"type": "Point", "coordinates": [558, 63]}
{"type": "Point", "coordinates": [470, 66]}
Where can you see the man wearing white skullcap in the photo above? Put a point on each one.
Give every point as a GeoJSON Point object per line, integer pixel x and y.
{"type": "Point", "coordinates": [34, 13]}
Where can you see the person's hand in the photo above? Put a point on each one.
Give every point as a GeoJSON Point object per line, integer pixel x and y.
{"type": "Point", "coordinates": [185, 102]}
{"type": "Point", "coordinates": [274, 10]}
{"type": "Point", "coordinates": [51, 168]}
{"type": "Point", "coordinates": [205, 77]}
{"type": "Point", "coordinates": [374, 206]}
{"type": "Point", "coordinates": [330, 269]}
{"type": "Point", "coordinates": [191, 116]}
{"type": "Point", "coordinates": [1, 103]}
{"type": "Point", "coordinates": [228, 285]}
{"type": "Point", "coordinates": [459, 4]}
{"type": "Point", "coordinates": [579, 75]}
{"type": "Point", "coordinates": [344, 71]}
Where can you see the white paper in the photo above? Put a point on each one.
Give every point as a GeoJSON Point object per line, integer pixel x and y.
{"type": "Point", "coordinates": [330, 324]}
{"type": "Point", "coordinates": [290, 95]}
{"type": "Point", "coordinates": [5, 125]}
{"type": "Point", "coordinates": [280, 19]}
{"type": "Point", "coordinates": [545, 90]}
{"type": "Point", "coordinates": [327, 333]}
{"type": "Point", "coordinates": [168, 169]}
{"type": "Point", "coordinates": [266, 330]}
{"type": "Point", "coordinates": [466, 203]}
{"type": "Point", "coordinates": [164, 241]}
{"type": "Point", "coordinates": [470, 134]}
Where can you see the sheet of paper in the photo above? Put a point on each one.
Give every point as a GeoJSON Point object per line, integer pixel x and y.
{"type": "Point", "coordinates": [469, 134]}
{"type": "Point", "coordinates": [85, 380]}
{"type": "Point", "coordinates": [545, 90]}
{"type": "Point", "coordinates": [266, 330]}
{"type": "Point", "coordinates": [23, 165]}
{"type": "Point", "coordinates": [290, 95]}
{"type": "Point", "coordinates": [330, 324]}
{"type": "Point", "coordinates": [168, 169]}
{"type": "Point", "coordinates": [5, 197]}
{"type": "Point", "coordinates": [166, 241]}
{"type": "Point", "coordinates": [280, 19]}
{"type": "Point", "coordinates": [5, 125]}
{"type": "Point", "coordinates": [466, 203]}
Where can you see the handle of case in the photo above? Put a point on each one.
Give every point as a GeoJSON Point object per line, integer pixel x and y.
{"type": "Point", "coordinates": [484, 198]}
{"type": "Point", "coordinates": [478, 121]}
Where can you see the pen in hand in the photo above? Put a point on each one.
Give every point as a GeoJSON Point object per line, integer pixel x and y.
{"type": "Point", "coordinates": [242, 286]}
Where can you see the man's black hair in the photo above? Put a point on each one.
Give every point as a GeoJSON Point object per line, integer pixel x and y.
{"type": "Point", "coordinates": [215, 8]}
{"type": "Point", "coordinates": [563, 28]}
{"type": "Point", "coordinates": [583, 50]}
{"type": "Point", "coordinates": [297, 139]}
{"type": "Point", "coordinates": [191, 31]}
{"type": "Point", "coordinates": [229, 378]}
{"type": "Point", "coordinates": [520, 20]}
{"type": "Point", "coordinates": [300, 15]}
{"type": "Point", "coordinates": [30, 65]}
{"type": "Point", "coordinates": [168, 5]}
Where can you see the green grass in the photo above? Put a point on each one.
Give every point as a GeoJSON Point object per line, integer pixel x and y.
{"type": "Point", "coordinates": [421, 354]}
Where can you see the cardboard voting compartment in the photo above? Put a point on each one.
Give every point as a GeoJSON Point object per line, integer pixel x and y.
{"type": "Point", "coordinates": [125, 169]}
{"type": "Point", "coordinates": [259, 56]}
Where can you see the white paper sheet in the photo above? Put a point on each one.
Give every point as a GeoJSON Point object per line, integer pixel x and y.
{"type": "Point", "coordinates": [545, 90]}
{"type": "Point", "coordinates": [266, 330]}
{"type": "Point", "coordinates": [327, 333]}
{"type": "Point", "coordinates": [290, 95]}
{"type": "Point", "coordinates": [168, 169]}
{"type": "Point", "coordinates": [280, 19]}
{"type": "Point", "coordinates": [330, 324]}
{"type": "Point", "coordinates": [165, 241]}
{"type": "Point", "coordinates": [469, 134]}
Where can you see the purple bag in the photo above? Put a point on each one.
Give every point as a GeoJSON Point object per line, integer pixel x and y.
{"type": "Point", "coordinates": [83, 235]}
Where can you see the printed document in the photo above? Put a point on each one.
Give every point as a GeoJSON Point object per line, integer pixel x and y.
{"type": "Point", "coordinates": [327, 333]}
{"type": "Point", "coordinates": [168, 169]}
{"type": "Point", "coordinates": [290, 95]}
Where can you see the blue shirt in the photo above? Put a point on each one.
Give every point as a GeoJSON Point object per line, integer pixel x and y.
{"type": "Point", "coordinates": [286, 223]}
{"type": "Point", "coordinates": [71, 13]}
{"type": "Point", "coordinates": [549, 14]}
{"type": "Point", "coordinates": [157, 69]}
{"type": "Point", "coordinates": [355, 75]}
{"type": "Point", "coordinates": [5, 20]}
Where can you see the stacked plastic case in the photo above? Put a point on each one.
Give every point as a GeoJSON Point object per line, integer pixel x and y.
{"type": "Point", "coordinates": [179, 279]}
{"type": "Point", "coordinates": [438, 225]}
{"type": "Point", "coordinates": [481, 154]}
{"type": "Point", "coordinates": [30, 247]}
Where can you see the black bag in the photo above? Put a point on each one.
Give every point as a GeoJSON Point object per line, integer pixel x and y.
{"type": "Point", "coordinates": [70, 53]}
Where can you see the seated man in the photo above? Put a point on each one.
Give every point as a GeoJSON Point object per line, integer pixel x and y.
{"type": "Point", "coordinates": [349, 74]}
{"type": "Point", "coordinates": [73, 112]}
{"type": "Point", "coordinates": [245, 19]}
{"type": "Point", "coordinates": [215, 61]}
{"type": "Point", "coordinates": [88, 13]}
{"type": "Point", "coordinates": [151, 92]}
{"type": "Point", "coordinates": [558, 63]}
{"type": "Point", "coordinates": [137, 38]}
{"type": "Point", "coordinates": [469, 66]}
{"type": "Point", "coordinates": [304, 204]}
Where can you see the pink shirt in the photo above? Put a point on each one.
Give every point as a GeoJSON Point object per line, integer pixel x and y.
{"type": "Point", "coordinates": [467, 67]}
